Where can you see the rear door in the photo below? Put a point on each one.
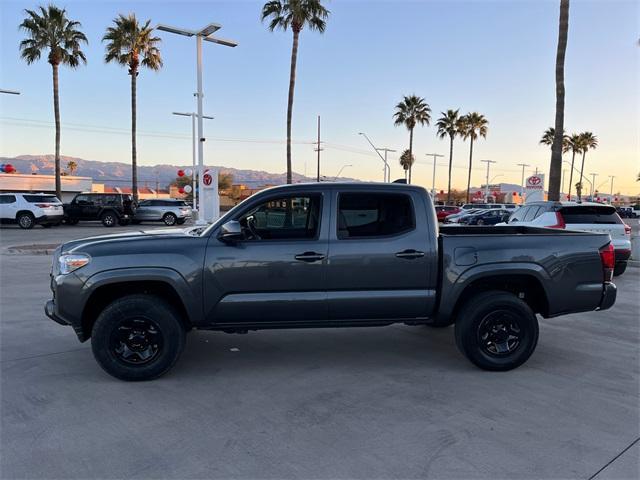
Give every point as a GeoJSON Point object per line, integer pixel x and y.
{"type": "Point", "coordinates": [8, 207]}
{"type": "Point", "coordinates": [381, 260]}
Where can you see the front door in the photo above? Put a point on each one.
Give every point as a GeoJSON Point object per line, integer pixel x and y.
{"type": "Point", "coordinates": [382, 260]}
{"type": "Point", "coordinates": [276, 273]}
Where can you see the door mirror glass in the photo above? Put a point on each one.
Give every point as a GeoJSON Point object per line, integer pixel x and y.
{"type": "Point", "coordinates": [231, 231]}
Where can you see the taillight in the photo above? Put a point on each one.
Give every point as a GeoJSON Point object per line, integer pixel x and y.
{"type": "Point", "coordinates": [559, 221]}
{"type": "Point", "coordinates": [627, 229]}
{"type": "Point", "coordinates": [42, 205]}
{"type": "Point", "coordinates": [608, 259]}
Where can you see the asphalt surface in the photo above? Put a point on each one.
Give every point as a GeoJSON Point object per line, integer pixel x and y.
{"type": "Point", "coordinates": [392, 402]}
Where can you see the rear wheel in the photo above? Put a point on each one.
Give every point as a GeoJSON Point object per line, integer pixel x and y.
{"type": "Point", "coordinates": [26, 220]}
{"type": "Point", "coordinates": [109, 219]}
{"type": "Point", "coordinates": [137, 337]}
{"type": "Point", "coordinates": [496, 330]}
{"type": "Point", "coordinates": [169, 219]}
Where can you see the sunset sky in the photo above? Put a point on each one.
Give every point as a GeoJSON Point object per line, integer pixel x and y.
{"type": "Point", "coordinates": [494, 57]}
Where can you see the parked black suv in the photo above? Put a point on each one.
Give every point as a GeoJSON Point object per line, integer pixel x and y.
{"type": "Point", "coordinates": [109, 208]}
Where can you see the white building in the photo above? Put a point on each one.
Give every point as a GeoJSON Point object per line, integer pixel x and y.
{"type": "Point", "coordinates": [23, 183]}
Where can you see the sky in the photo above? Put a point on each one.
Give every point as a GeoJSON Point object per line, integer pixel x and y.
{"type": "Point", "coordinates": [494, 57]}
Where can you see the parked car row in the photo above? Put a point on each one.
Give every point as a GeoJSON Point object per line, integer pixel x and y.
{"type": "Point", "coordinates": [111, 209]}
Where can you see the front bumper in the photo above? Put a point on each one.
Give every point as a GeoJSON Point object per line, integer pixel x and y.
{"type": "Point", "coordinates": [67, 302]}
{"type": "Point", "coordinates": [609, 294]}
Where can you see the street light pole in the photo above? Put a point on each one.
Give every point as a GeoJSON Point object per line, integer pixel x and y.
{"type": "Point", "coordinates": [523, 165]}
{"type": "Point", "coordinates": [193, 116]}
{"type": "Point", "coordinates": [387, 170]}
{"type": "Point", "coordinates": [593, 181]}
{"type": "Point", "coordinates": [340, 171]}
{"type": "Point", "coordinates": [209, 211]}
{"type": "Point", "coordinates": [486, 187]}
{"type": "Point", "coordinates": [433, 179]}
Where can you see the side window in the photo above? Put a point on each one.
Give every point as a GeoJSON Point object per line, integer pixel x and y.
{"type": "Point", "coordinates": [82, 200]}
{"type": "Point", "coordinates": [283, 219]}
{"type": "Point", "coordinates": [6, 199]}
{"type": "Point", "coordinates": [519, 214]}
{"type": "Point", "coordinates": [362, 215]}
{"type": "Point", "coordinates": [531, 214]}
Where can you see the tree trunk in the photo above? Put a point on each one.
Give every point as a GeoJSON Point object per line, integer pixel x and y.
{"type": "Point", "coordinates": [555, 169]}
{"type": "Point", "coordinates": [56, 114]}
{"type": "Point", "coordinates": [134, 152]}
{"type": "Point", "coordinates": [292, 85]}
{"type": "Point", "coordinates": [410, 153]}
{"type": "Point", "coordinates": [573, 157]}
{"type": "Point", "coordinates": [584, 154]}
{"type": "Point", "coordinates": [450, 164]}
{"type": "Point", "coordinates": [470, 163]}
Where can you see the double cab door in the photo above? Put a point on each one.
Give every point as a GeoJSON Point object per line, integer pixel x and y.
{"type": "Point", "coordinates": [322, 255]}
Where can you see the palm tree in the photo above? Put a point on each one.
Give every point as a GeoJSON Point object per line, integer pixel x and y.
{"type": "Point", "coordinates": [473, 124]}
{"type": "Point", "coordinates": [555, 168]}
{"type": "Point", "coordinates": [412, 111]}
{"type": "Point", "coordinates": [449, 124]}
{"type": "Point", "coordinates": [574, 143]}
{"type": "Point", "coordinates": [407, 160]}
{"type": "Point", "coordinates": [132, 45]}
{"type": "Point", "coordinates": [547, 138]}
{"type": "Point", "coordinates": [296, 14]}
{"type": "Point", "coordinates": [72, 167]}
{"type": "Point", "coordinates": [50, 30]}
{"type": "Point", "coordinates": [588, 142]}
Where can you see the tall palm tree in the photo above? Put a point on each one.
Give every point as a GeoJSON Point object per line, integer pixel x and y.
{"type": "Point", "coordinates": [295, 14]}
{"type": "Point", "coordinates": [407, 160]}
{"type": "Point", "coordinates": [588, 142]}
{"type": "Point", "coordinates": [549, 134]}
{"type": "Point", "coordinates": [574, 143]}
{"type": "Point", "coordinates": [555, 168]}
{"type": "Point", "coordinates": [132, 45]}
{"type": "Point", "coordinates": [473, 124]}
{"type": "Point", "coordinates": [412, 111]}
{"type": "Point", "coordinates": [449, 124]}
{"type": "Point", "coordinates": [49, 30]}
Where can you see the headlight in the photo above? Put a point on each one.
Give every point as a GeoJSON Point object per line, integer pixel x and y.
{"type": "Point", "coordinates": [71, 262]}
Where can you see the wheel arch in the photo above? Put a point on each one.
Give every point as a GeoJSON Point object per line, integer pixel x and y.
{"type": "Point", "coordinates": [165, 283]}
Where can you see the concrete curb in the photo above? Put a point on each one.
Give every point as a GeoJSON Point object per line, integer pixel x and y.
{"type": "Point", "coordinates": [35, 249]}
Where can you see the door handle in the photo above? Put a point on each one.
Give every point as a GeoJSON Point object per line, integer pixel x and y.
{"type": "Point", "coordinates": [309, 257]}
{"type": "Point", "coordinates": [410, 254]}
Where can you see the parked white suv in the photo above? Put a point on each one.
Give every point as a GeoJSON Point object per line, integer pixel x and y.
{"type": "Point", "coordinates": [28, 209]}
{"type": "Point", "coordinates": [586, 216]}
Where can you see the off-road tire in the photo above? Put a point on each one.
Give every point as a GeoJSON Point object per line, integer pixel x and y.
{"type": "Point", "coordinates": [489, 307]}
{"type": "Point", "coordinates": [109, 219]}
{"type": "Point", "coordinates": [131, 308]}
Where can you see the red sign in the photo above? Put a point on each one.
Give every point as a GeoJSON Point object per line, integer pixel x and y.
{"type": "Point", "coordinates": [207, 179]}
{"type": "Point", "coordinates": [534, 180]}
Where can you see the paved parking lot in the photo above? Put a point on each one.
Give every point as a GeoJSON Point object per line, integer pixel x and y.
{"type": "Point", "coordinates": [393, 402]}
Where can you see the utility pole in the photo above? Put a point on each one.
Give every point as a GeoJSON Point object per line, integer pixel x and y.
{"type": "Point", "coordinates": [486, 187]}
{"type": "Point", "coordinates": [523, 165]}
{"type": "Point", "coordinates": [611, 192]}
{"type": "Point", "coordinates": [387, 170]}
{"type": "Point", "coordinates": [318, 149]}
{"type": "Point", "coordinates": [433, 179]}
{"type": "Point", "coordinates": [593, 181]}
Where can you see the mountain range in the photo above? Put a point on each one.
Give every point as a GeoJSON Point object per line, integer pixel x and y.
{"type": "Point", "coordinates": [119, 174]}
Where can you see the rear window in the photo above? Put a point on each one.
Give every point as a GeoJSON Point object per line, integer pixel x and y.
{"type": "Point", "coordinates": [374, 215]}
{"type": "Point", "coordinates": [590, 214]}
{"type": "Point", "coordinates": [41, 198]}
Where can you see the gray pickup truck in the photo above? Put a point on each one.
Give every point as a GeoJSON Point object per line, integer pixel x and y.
{"type": "Point", "coordinates": [325, 255]}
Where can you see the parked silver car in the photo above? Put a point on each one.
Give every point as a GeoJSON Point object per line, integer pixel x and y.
{"type": "Point", "coordinates": [171, 212]}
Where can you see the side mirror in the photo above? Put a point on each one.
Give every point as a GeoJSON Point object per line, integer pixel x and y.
{"type": "Point", "coordinates": [231, 231]}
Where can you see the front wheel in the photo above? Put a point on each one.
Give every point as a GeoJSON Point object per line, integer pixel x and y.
{"type": "Point", "coordinates": [137, 337]}
{"type": "Point", "coordinates": [496, 330]}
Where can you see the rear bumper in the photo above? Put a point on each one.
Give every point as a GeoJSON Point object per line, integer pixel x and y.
{"type": "Point", "coordinates": [609, 294]}
{"type": "Point", "coordinates": [49, 218]}
{"type": "Point", "coordinates": [622, 255]}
